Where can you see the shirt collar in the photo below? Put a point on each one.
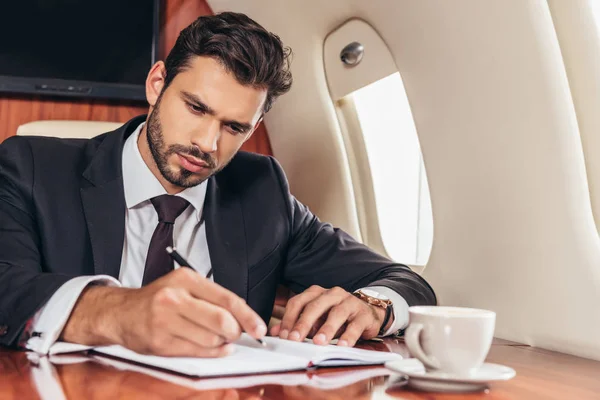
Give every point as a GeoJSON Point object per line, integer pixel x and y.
{"type": "Point", "coordinates": [141, 185]}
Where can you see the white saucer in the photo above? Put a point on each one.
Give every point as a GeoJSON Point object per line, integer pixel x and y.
{"type": "Point", "coordinates": [421, 379]}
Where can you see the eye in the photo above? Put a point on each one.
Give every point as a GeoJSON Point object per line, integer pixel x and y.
{"type": "Point", "coordinates": [236, 130]}
{"type": "Point", "coordinates": [195, 109]}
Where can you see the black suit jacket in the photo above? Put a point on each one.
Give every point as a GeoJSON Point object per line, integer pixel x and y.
{"type": "Point", "coordinates": [62, 215]}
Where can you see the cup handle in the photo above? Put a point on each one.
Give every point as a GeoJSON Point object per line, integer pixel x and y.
{"type": "Point", "coordinates": [412, 338]}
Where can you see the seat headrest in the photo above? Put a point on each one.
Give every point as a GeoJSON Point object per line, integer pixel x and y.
{"type": "Point", "coordinates": [67, 129]}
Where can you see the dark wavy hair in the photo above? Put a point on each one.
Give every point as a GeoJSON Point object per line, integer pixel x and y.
{"type": "Point", "coordinates": [255, 56]}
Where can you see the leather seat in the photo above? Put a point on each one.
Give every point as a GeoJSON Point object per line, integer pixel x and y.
{"type": "Point", "coordinates": [66, 128]}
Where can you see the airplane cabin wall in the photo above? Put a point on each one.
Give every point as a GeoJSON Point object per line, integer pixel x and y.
{"type": "Point", "coordinates": [513, 224]}
{"type": "Point", "coordinates": [578, 33]}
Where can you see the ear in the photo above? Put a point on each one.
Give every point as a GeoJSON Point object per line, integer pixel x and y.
{"type": "Point", "coordinates": [155, 82]}
{"type": "Point", "coordinates": [253, 130]}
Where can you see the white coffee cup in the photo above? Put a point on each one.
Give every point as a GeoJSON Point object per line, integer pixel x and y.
{"type": "Point", "coordinates": [452, 340]}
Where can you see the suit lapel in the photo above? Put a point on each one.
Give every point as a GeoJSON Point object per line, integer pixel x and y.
{"type": "Point", "coordinates": [226, 238]}
{"type": "Point", "coordinates": [103, 198]}
{"type": "Point", "coordinates": [104, 208]}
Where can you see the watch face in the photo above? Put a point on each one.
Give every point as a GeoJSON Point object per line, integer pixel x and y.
{"type": "Point", "coordinates": [374, 294]}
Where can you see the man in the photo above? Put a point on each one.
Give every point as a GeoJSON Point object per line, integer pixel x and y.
{"type": "Point", "coordinates": [84, 223]}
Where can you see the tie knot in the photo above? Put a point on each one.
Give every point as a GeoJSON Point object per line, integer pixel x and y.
{"type": "Point", "coordinates": [169, 207]}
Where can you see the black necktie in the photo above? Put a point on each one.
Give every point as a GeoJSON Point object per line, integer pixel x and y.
{"type": "Point", "coordinates": [158, 261]}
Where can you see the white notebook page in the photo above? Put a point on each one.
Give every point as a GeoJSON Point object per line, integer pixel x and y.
{"type": "Point", "coordinates": [250, 358]}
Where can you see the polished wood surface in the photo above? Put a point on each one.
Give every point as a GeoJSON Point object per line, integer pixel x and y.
{"type": "Point", "coordinates": [541, 374]}
{"type": "Point", "coordinates": [18, 109]}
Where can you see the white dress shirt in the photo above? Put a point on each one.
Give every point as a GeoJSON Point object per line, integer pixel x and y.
{"type": "Point", "coordinates": [189, 230]}
{"type": "Point", "coordinates": [141, 219]}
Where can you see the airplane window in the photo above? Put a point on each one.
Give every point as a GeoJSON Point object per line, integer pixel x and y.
{"type": "Point", "coordinates": [398, 173]}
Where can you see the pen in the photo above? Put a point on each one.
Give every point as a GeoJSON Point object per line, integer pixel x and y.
{"type": "Point", "coordinates": [183, 263]}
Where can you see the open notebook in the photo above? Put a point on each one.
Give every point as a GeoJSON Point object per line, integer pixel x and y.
{"type": "Point", "coordinates": [325, 380]}
{"type": "Point", "coordinates": [249, 358]}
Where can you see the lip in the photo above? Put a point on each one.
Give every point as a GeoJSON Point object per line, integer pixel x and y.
{"type": "Point", "coordinates": [192, 164]}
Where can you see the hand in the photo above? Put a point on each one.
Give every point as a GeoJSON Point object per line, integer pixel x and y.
{"type": "Point", "coordinates": [325, 314]}
{"type": "Point", "coordinates": [180, 314]}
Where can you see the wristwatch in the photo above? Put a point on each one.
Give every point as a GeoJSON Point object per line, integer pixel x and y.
{"type": "Point", "coordinates": [377, 300]}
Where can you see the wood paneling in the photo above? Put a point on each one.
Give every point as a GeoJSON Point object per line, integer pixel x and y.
{"type": "Point", "coordinates": [176, 15]}
{"type": "Point", "coordinates": [19, 109]}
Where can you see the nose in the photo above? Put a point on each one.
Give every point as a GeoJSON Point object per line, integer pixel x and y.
{"type": "Point", "coordinates": [207, 136]}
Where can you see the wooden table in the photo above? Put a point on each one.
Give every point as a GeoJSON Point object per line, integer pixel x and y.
{"type": "Point", "coordinates": [541, 374]}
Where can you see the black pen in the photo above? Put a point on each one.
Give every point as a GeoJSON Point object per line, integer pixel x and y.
{"type": "Point", "coordinates": [183, 263]}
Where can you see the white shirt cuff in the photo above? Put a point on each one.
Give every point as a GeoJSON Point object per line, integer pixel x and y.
{"type": "Point", "coordinates": [50, 320]}
{"type": "Point", "coordinates": [400, 308]}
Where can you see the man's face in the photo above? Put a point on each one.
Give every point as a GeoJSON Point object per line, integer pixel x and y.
{"type": "Point", "coordinates": [200, 121]}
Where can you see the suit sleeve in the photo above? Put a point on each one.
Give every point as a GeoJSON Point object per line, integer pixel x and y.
{"type": "Point", "coordinates": [319, 254]}
{"type": "Point", "coordinates": [24, 287]}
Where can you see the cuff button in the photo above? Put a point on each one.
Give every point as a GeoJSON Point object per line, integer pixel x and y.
{"type": "Point", "coordinates": [3, 330]}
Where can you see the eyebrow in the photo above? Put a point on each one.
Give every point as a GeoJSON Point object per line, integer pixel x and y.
{"type": "Point", "coordinates": [192, 98]}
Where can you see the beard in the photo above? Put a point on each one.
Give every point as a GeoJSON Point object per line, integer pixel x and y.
{"type": "Point", "coordinates": [161, 152]}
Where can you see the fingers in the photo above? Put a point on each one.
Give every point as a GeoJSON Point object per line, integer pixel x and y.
{"type": "Point", "coordinates": [204, 289]}
{"type": "Point", "coordinates": [336, 319]}
{"type": "Point", "coordinates": [315, 309]}
{"type": "Point", "coordinates": [185, 329]}
{"type": "Point", "coordinates": [317, 325]}
{"type": "Point", "coordinates": [171, 334]}
{"type": "Point", "coordinates": [355, 329]}
{"type": "Point", "coordinates": [215, 319]}
{"type": "Point", "coordinates": [275, 330]}
{"type": "Point", "coordinates": [295, 306]}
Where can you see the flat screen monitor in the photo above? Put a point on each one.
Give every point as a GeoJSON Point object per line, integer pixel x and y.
{"type": "Point", "coordinates": [88, 48]}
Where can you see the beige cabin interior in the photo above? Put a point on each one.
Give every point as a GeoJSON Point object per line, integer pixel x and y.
{"type": "Point", "coordinates": [505, 97]}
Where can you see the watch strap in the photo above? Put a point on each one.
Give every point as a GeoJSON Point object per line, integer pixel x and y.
{"type": "Point", "coordinates": [386, 319]}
